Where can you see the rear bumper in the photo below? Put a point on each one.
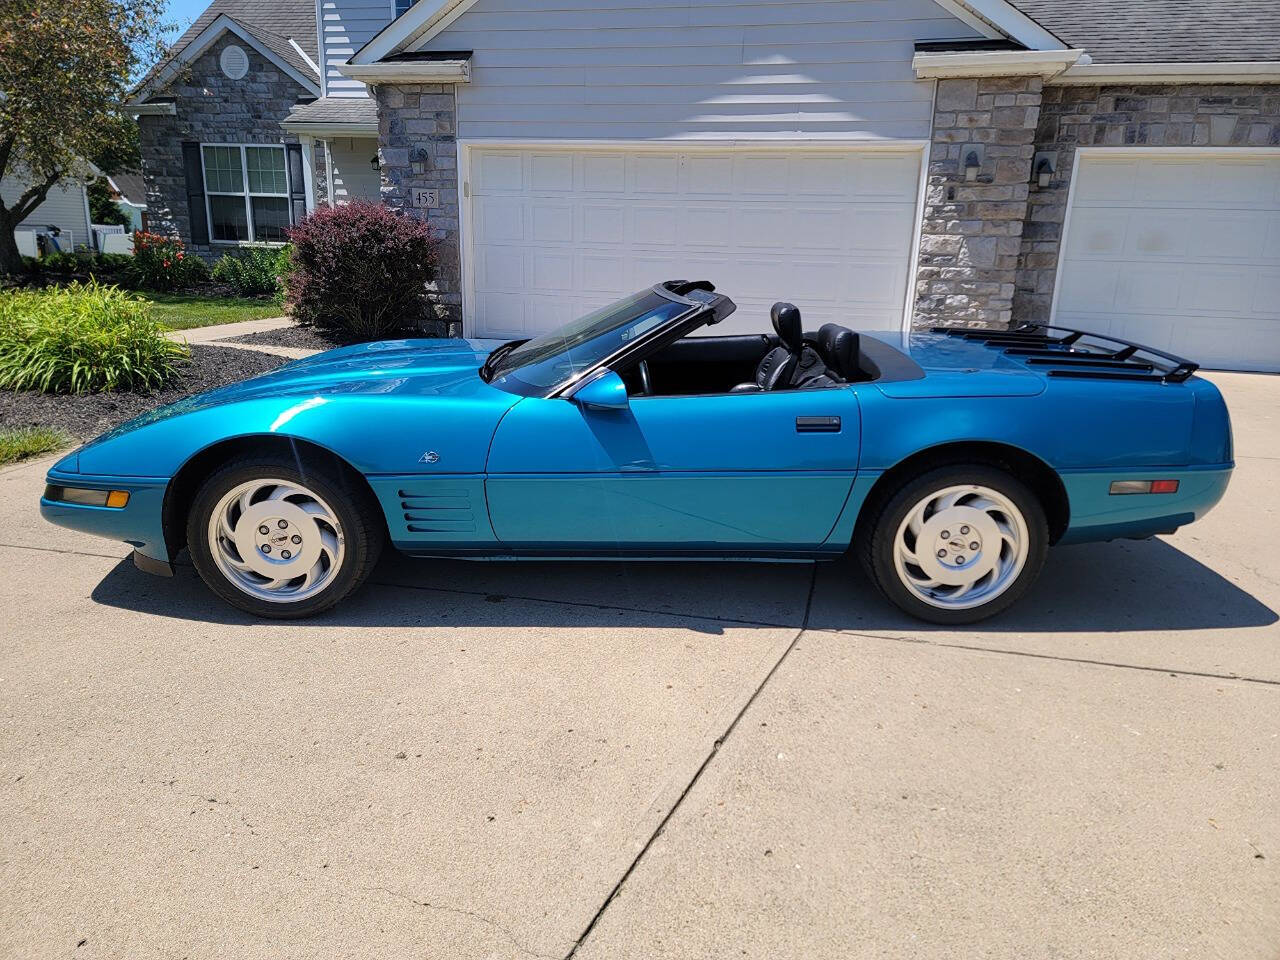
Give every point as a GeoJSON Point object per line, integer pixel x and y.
{"type": "Point", "coordinates": [1097, 514]}
{"type": "Point", "coordinates": [139, 523]}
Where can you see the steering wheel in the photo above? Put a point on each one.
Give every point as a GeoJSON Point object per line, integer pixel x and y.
{"type": "Point", "coordinates": [646, 385]}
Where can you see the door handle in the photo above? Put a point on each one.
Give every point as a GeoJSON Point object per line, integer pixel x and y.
{"type": "Point", "coordinates": [817, 424]}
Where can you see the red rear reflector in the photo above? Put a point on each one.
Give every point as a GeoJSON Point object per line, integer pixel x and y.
{"type": "Point", "coordinates": [1164, 486]}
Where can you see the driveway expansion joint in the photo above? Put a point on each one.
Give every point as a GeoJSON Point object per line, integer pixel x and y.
{"type": "Point", "coordinates": [697, 774]}
{"type": "Point", "coordinates": [1084, 661]}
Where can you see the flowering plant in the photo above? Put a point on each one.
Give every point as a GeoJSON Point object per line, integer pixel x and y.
{"type": "Point", "coordinates": [162, 263]}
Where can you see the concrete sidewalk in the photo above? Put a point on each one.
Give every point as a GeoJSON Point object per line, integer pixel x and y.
{"type": "Point", "coordinates": [649, 760]}
{"type": "Point", "coordinates": [219, 334]}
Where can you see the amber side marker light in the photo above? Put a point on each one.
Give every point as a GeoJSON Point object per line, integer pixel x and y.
{"type": "Point", "coordinates": [87, 498]}
{"type": "Point", "coordinates": [1143, 486]}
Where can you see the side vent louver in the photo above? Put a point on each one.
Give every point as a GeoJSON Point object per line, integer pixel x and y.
{"type": "Point", "coordinates": [440, 509]}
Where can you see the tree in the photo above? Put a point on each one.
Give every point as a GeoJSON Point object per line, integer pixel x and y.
{"type": "Point", "coordinates": [65, 73]}
{"type": "Point", "coordinates": [103, 209]}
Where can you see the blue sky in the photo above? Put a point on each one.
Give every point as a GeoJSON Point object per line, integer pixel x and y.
{"type": "Point", "coordinates": [182, 12]}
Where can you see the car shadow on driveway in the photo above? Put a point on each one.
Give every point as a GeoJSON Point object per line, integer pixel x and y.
{"type": "Point", "coordinates": [1123, 586]}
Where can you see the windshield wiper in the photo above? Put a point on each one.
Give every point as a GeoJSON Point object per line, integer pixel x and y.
{"type": "Point", "coordinates": [491, 361]}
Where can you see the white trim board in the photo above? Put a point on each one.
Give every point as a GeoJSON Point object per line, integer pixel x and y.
{"type": "Point", "coordinates": [1259, 71]}
{"type": "Point", "coordinates": [206, 38]}
{"type": "Point", "coordinates": [994, 63]}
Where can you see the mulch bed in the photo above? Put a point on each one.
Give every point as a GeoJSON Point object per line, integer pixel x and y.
{"type": "Point", "coordinates": [309, 338]}
{"type": "Point", "coordinates": [86, 415]}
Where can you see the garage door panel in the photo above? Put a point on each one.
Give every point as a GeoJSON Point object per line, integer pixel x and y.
{"type": "Point", "coordinates": [1177, 251]}
{"type": "Point", "coordinates": [829, 229]}
{"type": "Point", "coordinates": [1097, 233]}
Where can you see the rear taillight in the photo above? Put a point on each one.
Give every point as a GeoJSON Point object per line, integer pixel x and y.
{"type": "Point", "coordinates": [1119, 487]}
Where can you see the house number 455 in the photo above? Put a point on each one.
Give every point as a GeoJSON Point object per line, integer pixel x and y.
{"type": "Point", "coordinates": [424, 198]}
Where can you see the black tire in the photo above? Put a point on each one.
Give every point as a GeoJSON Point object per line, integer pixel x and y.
{"type": "Point", "coordinates": [362, 525]}
{"type": "Point", "coordinates": [875, 543]}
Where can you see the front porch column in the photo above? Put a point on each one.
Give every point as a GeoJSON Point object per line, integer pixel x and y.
{"type": "Point", "coordinates": [309, 170]}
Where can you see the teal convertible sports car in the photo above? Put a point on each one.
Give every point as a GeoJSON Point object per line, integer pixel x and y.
{"type": "Point", "coordinates": [948, 460]}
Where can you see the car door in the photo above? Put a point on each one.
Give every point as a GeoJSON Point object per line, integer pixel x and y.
{"type": "Point", "coordinates": [745, 473]}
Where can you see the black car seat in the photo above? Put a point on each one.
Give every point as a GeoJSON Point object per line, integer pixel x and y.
{"type": "Point", "coordinates": [793, 364]}
{"type": "Point", "coordinates": [838, 347]}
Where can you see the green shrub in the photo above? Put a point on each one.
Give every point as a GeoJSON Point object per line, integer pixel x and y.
{"type": "Point", "coordinates": [361, 271]}
{"type": "Point", "coordinates": [162, 263]}
{"type": "Point", "coordinates": [251, 271]}
{"type": "Point", "coordinates": [81, 263]}
{"type": "Point", "coordinates": [83, 338]}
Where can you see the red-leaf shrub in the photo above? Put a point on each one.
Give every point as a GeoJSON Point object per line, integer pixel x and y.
{"type": "Point", "coordinates": [360, 271]}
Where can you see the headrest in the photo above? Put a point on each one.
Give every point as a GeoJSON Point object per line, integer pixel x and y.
{"type": "Point", "coordinates": [839, 347]}
{"type": "Point", "coordinates": [786, 324]}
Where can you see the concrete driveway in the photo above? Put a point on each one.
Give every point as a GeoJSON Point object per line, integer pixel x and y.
{"type": "Point", "coordinates": [606, 761]}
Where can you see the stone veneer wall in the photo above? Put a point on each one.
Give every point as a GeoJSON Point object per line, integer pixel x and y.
{"type": "Point", "coordinates": [971, 231]}
{"type": "Point", "coordinates": [417, 149]}
{"type": "Point", "coordinates": [1167, 115]}
{"type": "Point", "coordinates": [211, 108]}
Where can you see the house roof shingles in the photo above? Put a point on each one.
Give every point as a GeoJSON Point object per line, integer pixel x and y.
{"type": "Point", "coordinates": [272, 23]}
{"type": "Point", "coordinates": [335, 110]}
{"type": "Point", "coordinates": [1163, 31]}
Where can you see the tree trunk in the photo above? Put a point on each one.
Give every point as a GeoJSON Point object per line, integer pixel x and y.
{"type": "Point", "coordinates": [10, 259]}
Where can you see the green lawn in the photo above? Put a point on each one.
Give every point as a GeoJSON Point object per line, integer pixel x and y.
{"type": "Point", "coordinates": [27, 442]}
{"type": "Point", "coordinates": [182, 311]}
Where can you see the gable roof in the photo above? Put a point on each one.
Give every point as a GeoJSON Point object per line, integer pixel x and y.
{"type": "Point", "coordinates": [277, 25]}
{"type": "Point", "coordinates": [428, 18]}
{"type": "Point", "coordinates": [1163, 31]}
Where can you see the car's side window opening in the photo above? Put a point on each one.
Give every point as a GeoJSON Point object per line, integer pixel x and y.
{"type": "Point", "coordinates": [710, 365]}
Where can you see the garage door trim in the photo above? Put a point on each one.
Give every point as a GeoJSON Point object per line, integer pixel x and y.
{"type": "Point", "coordinates": [465, 199]}
{"type": "Point", "coordinates": [1119, 152]}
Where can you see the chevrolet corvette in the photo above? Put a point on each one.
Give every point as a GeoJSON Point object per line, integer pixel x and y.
{"type": "Point", "coordinates": [947, 460]}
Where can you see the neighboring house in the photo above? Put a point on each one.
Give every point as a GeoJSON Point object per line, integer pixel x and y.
{"type": "Point", "coordinates": [129, 191]}
{"type": "Point", "coordinates": [1111, 165]}
{"type": "Point", "coordinates": [220, 169]}
{"type": "Point", "coordinates": [66, 207]}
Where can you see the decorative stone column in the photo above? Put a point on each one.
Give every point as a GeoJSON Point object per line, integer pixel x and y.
{"type": "Point", "coordinates": [972, 229]}
{"type": "Point", "coordinates": [417, 149]}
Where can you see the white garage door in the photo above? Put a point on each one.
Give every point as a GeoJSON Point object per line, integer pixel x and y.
{"type": "Point", "coordinates": [555, 233]}
{"type": "Point", "coordinates": [1179, 251]}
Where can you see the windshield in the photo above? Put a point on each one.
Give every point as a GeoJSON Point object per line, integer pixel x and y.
{"type": "Point", "coordinates": [534, 367]}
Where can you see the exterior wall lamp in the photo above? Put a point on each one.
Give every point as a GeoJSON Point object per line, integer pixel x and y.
{"type": "Point", "coordinates": [972, 164]}
{"type": "Point", "coordinates": [1043, 169]}
{"type": "Point", "coordinates": [374, 165]}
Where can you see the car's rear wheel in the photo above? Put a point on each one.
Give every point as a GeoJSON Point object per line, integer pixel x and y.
{"type": "Point", "coordinates": [957, 544]}
{"type": "Point", "coordinates": [283, 538]}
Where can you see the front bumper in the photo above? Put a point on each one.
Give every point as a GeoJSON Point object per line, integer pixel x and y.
{"type": "Point", "coordinates": [139, 523]}
{"type": "Point", "coordinates": [1097, 514]}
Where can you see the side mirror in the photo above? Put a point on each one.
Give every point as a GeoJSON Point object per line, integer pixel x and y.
{"type": "Point", "coordinates": [605, 391]}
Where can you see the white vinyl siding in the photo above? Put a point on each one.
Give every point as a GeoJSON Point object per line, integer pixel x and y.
{"type": "Point", "coordinates": [345, 27]}
{"type": "Point", "coordinates": [556, 233]}
{"type": "Point", "coordinates": [711, 69]}
{"type": "Point", "coordinates": [63, 207]}
{"type": "Point", "coordinates": [353, 175]}
{"type": "Point", "coordinates": [1177, 249]}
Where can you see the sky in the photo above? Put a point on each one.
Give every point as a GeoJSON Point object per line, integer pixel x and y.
{"type": "Point", "coordinates": [183, 12]}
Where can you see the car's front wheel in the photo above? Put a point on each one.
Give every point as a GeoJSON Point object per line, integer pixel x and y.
{"type": "Point", "coordinates": [957, 544]}
{"type": "Point", "coordinates": [283, 538]}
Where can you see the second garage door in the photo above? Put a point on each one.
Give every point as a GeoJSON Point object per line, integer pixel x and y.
{"type": "Point", "coordinates": [1178, 250]}
{"type": "Point", "coordinates": [557, 232]}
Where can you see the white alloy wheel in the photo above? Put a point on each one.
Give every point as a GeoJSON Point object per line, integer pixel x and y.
{"type": "Point", "coordinates": [961, 546]}
{"type": "Point", "coordinates": [276, 540]}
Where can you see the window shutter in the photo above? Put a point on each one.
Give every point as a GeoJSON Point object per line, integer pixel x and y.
{"type": "Point", "coordinates": [297, 183]}
{"type": "Point", "coordinates": [195, 192]}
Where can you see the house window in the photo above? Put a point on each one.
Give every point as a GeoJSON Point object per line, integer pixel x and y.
{"type": "Point", "coordinates": [247, 191]}
{"type": "Point", "coordinates": [402, 6]}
